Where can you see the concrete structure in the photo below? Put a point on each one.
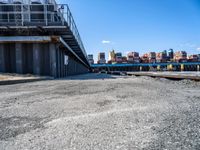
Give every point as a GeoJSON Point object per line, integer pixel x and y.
{"type": "Point", "coordinates": [40, 38]}
{"type": "Point", "coordinates": [187, 66]}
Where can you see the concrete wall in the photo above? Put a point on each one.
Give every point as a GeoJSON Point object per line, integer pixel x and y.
{"type": "Point", "coordinates": [38, 59]}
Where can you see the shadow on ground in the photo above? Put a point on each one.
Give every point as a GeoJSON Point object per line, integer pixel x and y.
{"type": "Point", "coordinates": [90, 76]}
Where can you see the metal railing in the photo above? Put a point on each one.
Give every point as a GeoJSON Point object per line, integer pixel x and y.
{"type": "Point", "coordinates": [41, 14]}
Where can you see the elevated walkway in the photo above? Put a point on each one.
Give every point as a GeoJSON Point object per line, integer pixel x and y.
{"type": "Point", "coordinates": [40, 39]}
{"type": "Point", "coordinates": [42, 20]}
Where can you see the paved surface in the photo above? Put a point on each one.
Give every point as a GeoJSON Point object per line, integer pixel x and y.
{"type": "Point", "coordinates": [100, 112]}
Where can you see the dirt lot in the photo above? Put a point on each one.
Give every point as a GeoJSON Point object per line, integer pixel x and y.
{"type": "Point", "coordinates": [100, 112]}
{"type": "Point", "coordinates": [13, 76]}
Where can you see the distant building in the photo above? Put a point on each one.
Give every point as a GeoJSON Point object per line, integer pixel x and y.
{"type": "Point", "coordinates": [180, 56]}
{"type": "Point", "coordinates": [133, 57]}
{"type": "Point", "coordinates": [170, 55]}
{"type": "Point", "coordinates": [161, 57]}
{"type": "Point", "coordinates": [101, 58]}
{"type": "Point", "coordinates": [152, 57]}
{"type": "Point", "coordinates": [198, 57]}
{"type": "Point", "coordinates": [145, 58]}
{"type": "Point", "coordinates": [118, 57]}
{"type": "Point", "coordinates": [111, 56]}
{"type": "Point", "coordinates": [91, 59]}
{"type": "Point", "coordinates": [193, 58]}
{"type": "Point", "coordinates": [124, 59]}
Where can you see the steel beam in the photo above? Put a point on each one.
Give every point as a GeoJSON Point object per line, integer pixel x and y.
{"type": "Point", "coordinates": [69, 48]}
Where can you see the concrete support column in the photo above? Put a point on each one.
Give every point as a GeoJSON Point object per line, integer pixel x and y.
{"type": "Point", "coordinates": [19, 58]}
{"type": "Point", "coordinates": [2, 58]}
{"type": "Point", "coordinates": [141, 69]}
{"type": "Point", "coordinates": [36, 59]}
{"type": "Point", "coordinates": [158, 68]}
{"type": "Point", "coordinates": [170, 67]}
{"type": "Point", "coordinates": [182, 67]}
{"type": "Point", "coordinates": [65, 66]}
{"type": "Point", "coordinates": [53, 65]}
{"type": "Point", "coordinates": [198, 67]}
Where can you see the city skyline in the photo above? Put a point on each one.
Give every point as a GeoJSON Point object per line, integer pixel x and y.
{"type": "Point", "coordinates": [138, 25]}
{"type": "Point", "coordinates": [113, 53]}
{"type": "Point", "coordinates": [140, 54]}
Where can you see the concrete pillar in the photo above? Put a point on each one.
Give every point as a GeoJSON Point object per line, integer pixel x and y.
{"type": "Point", "coordinates": [170, 67]}
{"type": "Point", "coordinates": [36, 59]}
{"type": "Point", "coordinates": [182, 67]}
{"type": "Point", "coordinates": [53, 65]}
{"type": "Point", "coordinates": [65, 66]}
{"type": "Point", "coordinates": [158, 68]}
{"type": "Point", "coordinates": [141, 69]}
{"type": "Point", "coordinates": [19, 58]}
{"type": "Point", "coordinates": [198, 67]}
{"type": "Point", "coordinates": [2, 58]}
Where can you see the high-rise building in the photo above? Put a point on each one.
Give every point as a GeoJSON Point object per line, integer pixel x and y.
{"type": "Point", "coordinates": [91, 59]}
{"type": "Point", "coordinates": [101, 58]}
{"type": "Point", "coordinates": [118, 57]}
{"type": "Point", "coordinates": [152, 57]}
{"type": "Point", "coordinates": [180, 56]}
{"type": "Point", "coordinates": [111, 56]}
{"type": "Point", "coordinates": [170, 54]}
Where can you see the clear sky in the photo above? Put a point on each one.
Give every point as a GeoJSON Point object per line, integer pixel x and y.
{"type": "Point", "coordinates": [137, 25]}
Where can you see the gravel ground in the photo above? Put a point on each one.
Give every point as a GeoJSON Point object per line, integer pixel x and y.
{"type": "Point", "coordinates": [100, 112]}
{"type": "Point", "coordinates": [13, 76]}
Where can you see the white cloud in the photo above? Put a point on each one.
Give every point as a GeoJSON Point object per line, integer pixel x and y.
{"type": "Point", "coordinates": [188, 45]}
{"type": "Point", "coordinates": [106, 42]}
{"type": "Point", "coordinates": [198, 49]}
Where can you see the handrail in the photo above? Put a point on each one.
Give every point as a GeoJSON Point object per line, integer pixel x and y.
{"type": "Point", "coordinates": [62, 11]}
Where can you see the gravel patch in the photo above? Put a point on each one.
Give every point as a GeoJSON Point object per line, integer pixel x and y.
{"type": "Point", "coordinates": [101, 112]}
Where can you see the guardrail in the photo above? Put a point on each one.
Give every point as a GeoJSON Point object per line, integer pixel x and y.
{"type": "Point", "coordinates": [143, 64]}
{"type": "Point", "coordinates": [24, 14]}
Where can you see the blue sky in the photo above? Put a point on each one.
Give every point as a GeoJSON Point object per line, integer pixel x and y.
{"type": "Point", "coordinates": [137, 25]}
